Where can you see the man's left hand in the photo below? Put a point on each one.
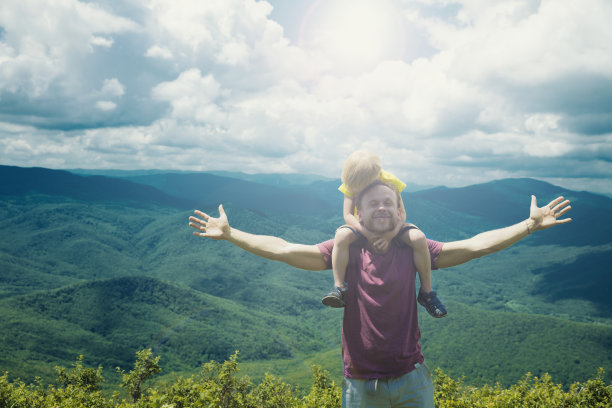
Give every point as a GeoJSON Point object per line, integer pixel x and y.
{"type": "Point", "coordinates": [548, 215]}
{"type": "Point", "coordinates": [210, 227]}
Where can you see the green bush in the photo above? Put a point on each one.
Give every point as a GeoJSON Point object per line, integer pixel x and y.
{"type": "Point", "coordinates": [220, 385]}
{"type": "Point", "coordinates": [146, 366]}
{"type": "Point", "coordinates": [529, 392]}
{"type": "Point", "coordinates": [79, 376]}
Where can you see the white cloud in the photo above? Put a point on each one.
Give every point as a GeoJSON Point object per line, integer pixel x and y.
{"type": "Point", "coordinates": [547, 148]}
{"type": "Point", "coordinates": [542, 123]}
{"type": "Point", "coordinates": [106, 105]}
{"type": "Point", "coordinates": [159, 52]}
{"type": "Point", "coordinates": [506, 88]}
{"type": "Point", "coordinates": [524, 42]}
{"type": "Point", "coordinates": [234, 53]}
{"type": "Point", "coordinates": [42, 39]}
{"type": "Point", "coordinates": [112, 87]}
{"type": "Point", "coordinates": [102, 42]}
{"type": "Point", "coordinates": [191, 96]}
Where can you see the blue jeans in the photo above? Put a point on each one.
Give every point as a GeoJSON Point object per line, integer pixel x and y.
{"type": "Point", "coordinates": [414, 390]}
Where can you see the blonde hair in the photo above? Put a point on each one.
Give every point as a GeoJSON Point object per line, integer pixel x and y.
{"type": "Point", "coordinates": [360, 169]}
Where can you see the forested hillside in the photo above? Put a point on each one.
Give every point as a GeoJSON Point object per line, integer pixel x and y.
{"type": "Point", "coordinates": [104, 267]}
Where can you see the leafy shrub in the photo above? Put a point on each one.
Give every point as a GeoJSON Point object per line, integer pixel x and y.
{"type": "Point", "coordinates": [79, 376]}
{"type": "Point", "coordinates": [218, 385]}
{"type": "Point", "coordinates": [146, 366]}
{"type": "Point", "coordinates": [324, 393]}
{"type": "Point", "coordinates": [529, 392]}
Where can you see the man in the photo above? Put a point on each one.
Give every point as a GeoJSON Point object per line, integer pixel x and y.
{"type": "Point", "coordinates": [383, 364]}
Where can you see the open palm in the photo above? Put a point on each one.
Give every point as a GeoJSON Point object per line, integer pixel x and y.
{"type": "Point", "coordinates": [210, 227]}
{"type": "Point", "coordinates": [548, 215]}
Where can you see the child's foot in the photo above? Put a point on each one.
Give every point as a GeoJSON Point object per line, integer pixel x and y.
{"type": "Point", "coordinates": [431, 303]}
{"type": "Point", "coordinates": [335, 298]}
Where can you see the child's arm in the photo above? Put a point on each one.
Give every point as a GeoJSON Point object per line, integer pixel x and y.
{"type": "Point", "coordinates": [402, 212]}
{"type": "Point", "coordinates": [349, 214]}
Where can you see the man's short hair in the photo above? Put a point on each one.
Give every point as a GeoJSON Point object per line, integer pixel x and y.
{"type": "Point", "coordinates": [371, 186]}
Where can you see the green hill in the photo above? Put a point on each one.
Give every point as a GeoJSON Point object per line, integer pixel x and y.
{"type": "Point", "coordinates": [488, 347]}
{"type": "Point", "coordinates": [114, 270]}
{"type": "Point", "coordinates": [108, 320]}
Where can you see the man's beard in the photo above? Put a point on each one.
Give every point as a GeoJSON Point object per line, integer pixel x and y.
{"type": "Point", "coordinates": [380, 222]}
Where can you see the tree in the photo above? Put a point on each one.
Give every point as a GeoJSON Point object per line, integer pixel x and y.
{"type": "Point", "coordinates": [324, 392]}
{"type": "Point", "coordinates": [80, 376]}
{"type": "Point", "coordinates": [146, 366]}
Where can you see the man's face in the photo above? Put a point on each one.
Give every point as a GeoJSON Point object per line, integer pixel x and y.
{"type": "Point", "coordinates": [379, 211]}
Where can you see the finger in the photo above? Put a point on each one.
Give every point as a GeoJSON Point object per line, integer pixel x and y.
{"type": "Point", "coordinates": [534, 202]}
{"type": "Point", "coordinates": [202, 214]}
{"type": "Point", "coordinates": [560, 205]}
{"type": "Point", "coordinates": [555, 201]}
{"type": "Point", "coordinates": [221, 210]}
{"type": "Point", "coordinates": [199, 227]}
{"type": "Point", "coordinates": [198, 220]}
{"type": "Point", "coordinates": [564, 221]}
{"type": "Point", "coordinates": [564, 210]}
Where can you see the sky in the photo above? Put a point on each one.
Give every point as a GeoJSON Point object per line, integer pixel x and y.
{"type": "Point", "coordinates": [445, 92]}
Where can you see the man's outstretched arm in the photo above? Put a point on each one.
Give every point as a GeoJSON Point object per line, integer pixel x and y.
{"type": "Point", "coordinates": [458, 252]}
{"type": "Point", "coordinates": [297, 255]}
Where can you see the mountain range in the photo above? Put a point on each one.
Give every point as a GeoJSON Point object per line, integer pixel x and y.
{"type": "Point", "coordinates": [102, 266]}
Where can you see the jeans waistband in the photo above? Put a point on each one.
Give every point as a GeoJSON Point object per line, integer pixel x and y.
{"type": "Point", "coordinates": [372, 384]}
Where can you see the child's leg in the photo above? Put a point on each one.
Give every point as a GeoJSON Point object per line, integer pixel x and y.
{"type": "Point", "coordinates": [340, 254]}
{"type": "Point", "coordinates": [427, 297]}
{"type": "Point", "coordinates": [422, 259]}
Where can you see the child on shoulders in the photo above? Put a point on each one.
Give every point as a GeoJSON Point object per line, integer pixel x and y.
{"type": "Point", "coordinates": [360, 170]}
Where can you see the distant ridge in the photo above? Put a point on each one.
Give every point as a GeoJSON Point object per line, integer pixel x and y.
{"type": "Point", "coordinates": [211, 190]}
{"type": "Point", "coordinates": [507, 201]}
{"type": "Point", "coordinates": [496, 198]}
{"type": "Point", "coordinates": [20, 181]}
{"type": "Point", "coordinates": [180, 190]}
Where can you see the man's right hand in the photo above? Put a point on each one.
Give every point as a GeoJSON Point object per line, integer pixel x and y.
{"type": "Point", "coordinates": [210, 227]}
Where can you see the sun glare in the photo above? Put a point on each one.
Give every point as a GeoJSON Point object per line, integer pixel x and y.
{"type": "Point", "coordinates": [355, 35]}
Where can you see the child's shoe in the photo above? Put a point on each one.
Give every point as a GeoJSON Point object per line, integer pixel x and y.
{"type": "Point", "coordinates": [335, 298]}
{"type": "Point", "coordinates": [432, 303]}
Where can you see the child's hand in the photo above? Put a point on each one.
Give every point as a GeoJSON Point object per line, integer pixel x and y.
{"type": "Point", "coordinates": [381, 244]}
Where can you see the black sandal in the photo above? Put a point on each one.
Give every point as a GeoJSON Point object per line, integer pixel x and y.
{"type": "Point", "coordinates": [335, 298]}
{"type": "Point", "coordinates": [432, 304]}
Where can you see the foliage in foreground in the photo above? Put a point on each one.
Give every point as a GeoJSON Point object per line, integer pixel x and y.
{"type": "Point", "coordinates": [529, 392]}
{"type": "Point", "coordinates": [218, 385]}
